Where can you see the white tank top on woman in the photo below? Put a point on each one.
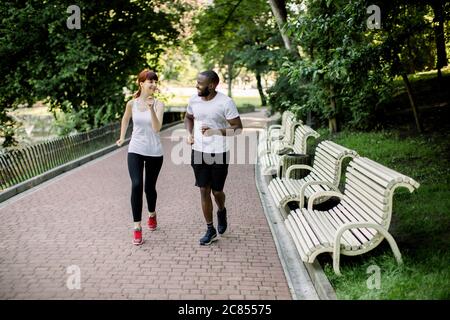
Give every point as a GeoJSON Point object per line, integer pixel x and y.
{"type": "Point", "coordinates": [144, 140]}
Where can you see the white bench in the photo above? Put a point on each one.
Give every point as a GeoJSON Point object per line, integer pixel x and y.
{"type": "Point", "coordinates": [324, 175]}
{"type": "Point", "coordinates": [271, 162]}
{"type": "Point", "coordinates": [276, 131]}
{"type": "Point", "coordinates": [265, 145]}
{"type": "Point", "coordinates": [358, 223]}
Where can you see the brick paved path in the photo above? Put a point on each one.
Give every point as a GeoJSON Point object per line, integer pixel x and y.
{"type": "Point", "coordinates": [83, 219]}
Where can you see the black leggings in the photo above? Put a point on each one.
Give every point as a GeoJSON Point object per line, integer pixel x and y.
{"type": "Point", "coordinates": [136, 169]}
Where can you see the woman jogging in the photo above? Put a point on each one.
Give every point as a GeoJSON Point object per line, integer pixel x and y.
{"type": "Point", "coordinates": [145, 149]}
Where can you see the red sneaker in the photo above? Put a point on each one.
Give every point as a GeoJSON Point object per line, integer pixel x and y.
{"type": "Point", "coordinates": [152, 224]}
{"type": "Point", "coordinates": [137, 240]}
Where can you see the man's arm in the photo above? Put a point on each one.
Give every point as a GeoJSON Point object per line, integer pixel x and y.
{"type": "Point", "coordinates": [234, 129]}
{"type": "Point", "coordinates": [189, 125]}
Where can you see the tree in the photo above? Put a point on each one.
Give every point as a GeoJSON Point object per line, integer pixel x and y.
{"type": "Point", "coordinates": [237, 34]}
{"type": "Point", "coordinates": [439, 20]}
{"type": "Point", "coordinates": [81, 70]}
{"type": "Point", "coordinates": [406, 44]}
{"type": "Point", "coordinates": [280, 13]}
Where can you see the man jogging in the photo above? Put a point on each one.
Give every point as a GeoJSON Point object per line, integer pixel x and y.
{"type": "Point", "coordinates": [210, 117]}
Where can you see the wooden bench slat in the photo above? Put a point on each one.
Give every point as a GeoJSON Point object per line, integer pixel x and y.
{"type": "Point", "coordinates": [296, 236]}
{"type": "Point", "coordinates": [319, 231]}
{"type": "Point", "coordinates": [316, 220]}
{"type": "Point", "coordinates": [301, 233]}
{"type": "Point", "coordinates": [336, 222]}
{"type": "Point", "coordinates": [377, 174]}
{"type": "Point", "coordinates": [374, 186]}
{"type": "Point", "coordinates": [359, 237]}
{"type": "Point", "coordinates": [360, 205]}
{"type": "Point", "coordinates": [306, 229]}
{"type": "Point", "coordinates": [354, 217]}
{"type": "Point", "coordinates": [357, 233]}
{"type": "Point", "coordinates": [367, 198]}
{"type": "Point", "coordinates": [328, 174]}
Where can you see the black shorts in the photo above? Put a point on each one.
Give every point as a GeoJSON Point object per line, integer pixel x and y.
{"type": "Point", "coordinates": [210, 169]}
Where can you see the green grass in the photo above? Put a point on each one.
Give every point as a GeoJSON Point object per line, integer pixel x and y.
{"type": "Point", "coordinates": [420, 222]}
{"type": "Point", "coordinates": [421, 76]}
{"type": "Point", "coordinates": [240, 101]}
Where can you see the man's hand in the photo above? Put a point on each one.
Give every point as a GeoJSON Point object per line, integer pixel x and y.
{"type": "Point", "coordinates": [208, 132]}
{"type": "Point", "coordinates": [190, 139]}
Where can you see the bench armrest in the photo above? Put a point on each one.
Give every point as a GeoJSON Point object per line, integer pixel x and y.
{"type": "Point", "coordinates": [273, 126]}
{"type": "Point", "coordinates": [322, 194]}
{"type": "Point", "coordinates": [311, 183]}
{"type": "Point", "coordinates": [283, 148]}
{"type": "Point", "coordinates": [274, 137]}
{"type": "Point", "coordinates": [277, 145]}
{"type": "Point", "coordinates": [295, 167]}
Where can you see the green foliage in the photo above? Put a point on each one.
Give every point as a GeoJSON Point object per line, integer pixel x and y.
{"type": "Point", "coordinates": [286, 94]}
{"type": "Point", "coordinates": [238, 34]}
{"type": "Point", "coordinates": [70, 122]}
{"type": "Point", "coordinates": [406, 39]}
{"type": "Point", "coordinates": [346, 70]}
{"type": "Point", "coordinates": [85, 69]}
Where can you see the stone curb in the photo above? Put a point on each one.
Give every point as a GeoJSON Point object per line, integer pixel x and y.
{"type": "Point", "coordinates": [299, 282]}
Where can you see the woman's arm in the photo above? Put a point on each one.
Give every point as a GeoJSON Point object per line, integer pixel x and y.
{"type": "Point", "coordinates": [157, 115]}
{"type": "Point", "coordinates": [125, 121]}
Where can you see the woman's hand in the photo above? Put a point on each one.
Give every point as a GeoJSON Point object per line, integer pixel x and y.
{"type": "Point", "coordinates": [151, 104]}
{"type": "Point", "coordinates": [120, 142]}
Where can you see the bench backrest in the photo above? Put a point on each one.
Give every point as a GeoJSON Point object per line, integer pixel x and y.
{"type": "Point", "coordinates": [289, 128]}
{"type": "Point", "coordinates": [302, 133]}
{"type": "Point", "coordinates": [369, 189]}
{"type": "Point", "coordinates": [284, 117]}
{"type": "Point", "coordinates": [328, 159]}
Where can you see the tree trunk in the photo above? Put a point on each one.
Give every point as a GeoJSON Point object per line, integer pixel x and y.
{"type": "Point", "coordinates": [332, 122]}
{"type": "Point", "coordinates": [230, 78]}
{"type": "Point", "coordinates": [438, 10]}
{"type": "Point", "coordinates": [260, 89]}
{"type": "Point", "coordinates": [412, 102]}
{"type": "Point", "coordinates": [280, 13]}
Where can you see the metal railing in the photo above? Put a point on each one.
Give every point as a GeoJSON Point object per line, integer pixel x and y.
{"type": "Point", "coordinates": [23, 163]}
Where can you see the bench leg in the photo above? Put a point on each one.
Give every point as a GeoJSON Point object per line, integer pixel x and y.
{"type": "Point", "coordinates": [341, 230]}
{"type": "Point", "coordinates": [336, 258]}
{"type": "Point", "coordinates": [394, 247]}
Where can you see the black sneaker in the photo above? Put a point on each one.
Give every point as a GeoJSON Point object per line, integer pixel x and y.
{"type": "Point", "coordinates": [222, 221]}
{"type": "Point", "coordinates": [209, 237]}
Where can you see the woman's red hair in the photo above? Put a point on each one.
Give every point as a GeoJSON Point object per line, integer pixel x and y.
{"type": "Point", "coordinates": [144, 75]}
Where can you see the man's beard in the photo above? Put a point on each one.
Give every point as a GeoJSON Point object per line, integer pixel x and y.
{"type": "Point", "coordinates": [204, 93]}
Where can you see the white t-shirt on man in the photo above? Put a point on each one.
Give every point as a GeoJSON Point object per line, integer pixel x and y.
{"type": "Point", "coordinates": [214, 114]}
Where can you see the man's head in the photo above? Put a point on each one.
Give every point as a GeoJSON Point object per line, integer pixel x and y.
{"type": "Point", "coordinates": [207, 82]}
